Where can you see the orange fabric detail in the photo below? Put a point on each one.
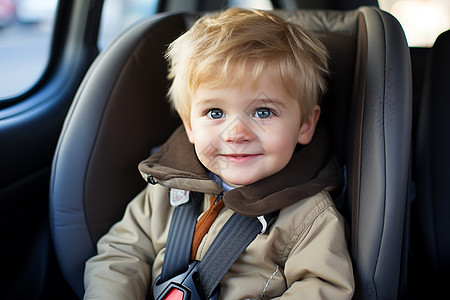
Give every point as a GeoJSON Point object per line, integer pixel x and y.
{"type": "Point", "coordinates": [205, 222]}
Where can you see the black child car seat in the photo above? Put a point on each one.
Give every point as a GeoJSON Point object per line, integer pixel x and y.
{"type": "Point", "coordinates": [120, 112]}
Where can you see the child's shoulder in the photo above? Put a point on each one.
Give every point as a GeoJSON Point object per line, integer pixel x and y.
{"type": "Point", "coordinates": [304, 212]}
{"type": "Point", "coordinates": [313, 216]}
{"type": "Point", "coordinates": [316, 202]}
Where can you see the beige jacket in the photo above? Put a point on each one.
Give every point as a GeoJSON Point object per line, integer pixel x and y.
{"type": "Point", "coordinates": [303, 255]}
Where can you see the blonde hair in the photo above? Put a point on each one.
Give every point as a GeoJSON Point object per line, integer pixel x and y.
{"type": "Point", "coordinates": [219, 48]}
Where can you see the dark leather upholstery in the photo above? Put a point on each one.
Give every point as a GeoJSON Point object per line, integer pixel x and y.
{"type": "Point", "coordinates": [431, 239]}
{"type": "Point", "coordinates": [120, 113]}
{"type": "Point", "coordinates": [117, 116]}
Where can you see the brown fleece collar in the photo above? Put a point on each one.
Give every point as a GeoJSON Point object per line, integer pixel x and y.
{"type": "Point", "coordinates": [308, 173]}
{"type": "Point", "coordinates": [175, 165]}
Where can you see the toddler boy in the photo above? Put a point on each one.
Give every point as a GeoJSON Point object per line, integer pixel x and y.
{"type": "Point", "coordinates": [246, 85]}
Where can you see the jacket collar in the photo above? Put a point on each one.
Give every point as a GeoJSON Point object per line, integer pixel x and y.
{"type": "Point", "coordinates": [175, 165]}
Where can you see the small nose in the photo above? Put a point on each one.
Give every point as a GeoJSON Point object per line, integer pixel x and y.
{"type": "Point", "coordinates": [239, 132]}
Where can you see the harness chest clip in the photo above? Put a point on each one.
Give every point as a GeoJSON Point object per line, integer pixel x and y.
{"type": "Point", "coordinates": [182, 287]}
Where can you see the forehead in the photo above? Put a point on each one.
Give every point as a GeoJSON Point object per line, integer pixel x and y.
{"type": "Point", "coordinates": [254, 79]}
{"type": "Point", "coordinates": [263, 79]}
{"type": "Point", "coordinates": [234, 72]}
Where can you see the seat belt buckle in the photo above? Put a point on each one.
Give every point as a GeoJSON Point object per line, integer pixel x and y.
{"type": "Point", "coordinates": [182, 287]}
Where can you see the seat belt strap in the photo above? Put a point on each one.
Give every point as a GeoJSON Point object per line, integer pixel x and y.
{"type": "Point", "coordinates": [237, 233]}
{"type": "Point", "coordinates": [181, 233]}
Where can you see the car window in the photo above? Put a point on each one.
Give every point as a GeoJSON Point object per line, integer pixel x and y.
{"type": "Point", "coordinates": [258, 4]}
{"type": "Point", "coordinates": [25, 36]}
{"type": "Point", "coordinates": [422, 20]}
{"type": "Point", "coordinates": [117, 15]}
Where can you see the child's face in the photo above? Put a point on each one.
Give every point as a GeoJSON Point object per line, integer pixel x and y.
{"type": "Point", "coordinates": [244, 134]}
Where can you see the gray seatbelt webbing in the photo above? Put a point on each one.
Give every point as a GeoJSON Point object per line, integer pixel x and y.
{"type": "Point", "coordinates": [181, 233]}
{"type": "Point", "coordinates": [232, 240]}
{"type": "Point", "coordinates": [237, 233]}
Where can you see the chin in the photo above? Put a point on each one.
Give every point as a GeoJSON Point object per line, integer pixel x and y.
{"type": "Point", "coordinates": [236, 182]}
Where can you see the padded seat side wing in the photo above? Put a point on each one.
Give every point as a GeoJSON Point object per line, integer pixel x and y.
{"type": "Point", "coordinates": [378, 221]}
{"type": "Point", "coordinates": [114, 112]}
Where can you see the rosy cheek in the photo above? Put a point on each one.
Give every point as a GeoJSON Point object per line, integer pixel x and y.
{"type": "Point", "coordinates": [277, 141]}
{"type": "Point", "coordinates": [205, 144]}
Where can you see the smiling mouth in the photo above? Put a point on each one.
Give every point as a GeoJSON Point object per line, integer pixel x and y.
{"type": "Point", "coordinates": [241, 157]}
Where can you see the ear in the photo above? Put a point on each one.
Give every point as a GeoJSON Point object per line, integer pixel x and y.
{"type": "Point", "coordinates": [187, 128]}
{"type": "Point", "coordinates": [309, 126]}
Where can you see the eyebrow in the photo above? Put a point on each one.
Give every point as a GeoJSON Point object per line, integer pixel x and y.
{"type": "Point", "coordinates": [273, 101]}
{"type": "Point", "coordinates": [206, 102]}
{"type": "Point", "coordinates": [255, 102]}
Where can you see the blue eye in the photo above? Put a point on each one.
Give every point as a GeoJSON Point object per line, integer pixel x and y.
{"type": "Point", "coordinates": [263, 113]}
{"type": "Point", "coordinates": [215, 113]}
